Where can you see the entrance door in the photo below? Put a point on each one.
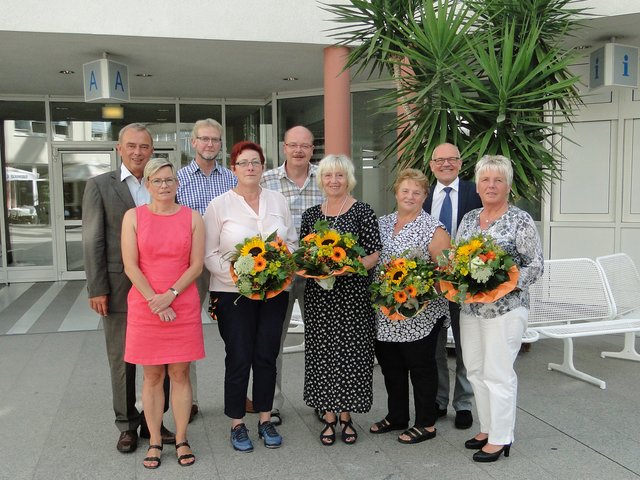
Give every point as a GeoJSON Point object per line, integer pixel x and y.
{"type": "Point", "coordinates": [73, 169]}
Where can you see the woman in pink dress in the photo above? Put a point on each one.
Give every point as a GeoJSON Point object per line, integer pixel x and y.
{"type": "Point", "coordinates": [163, 252]}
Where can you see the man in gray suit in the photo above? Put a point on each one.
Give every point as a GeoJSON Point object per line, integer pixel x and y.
{"type": "Point", "coordinates": [106, 199]}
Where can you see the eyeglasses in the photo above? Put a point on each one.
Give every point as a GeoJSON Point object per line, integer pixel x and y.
{"type": "Point", "coordinates": [441, 161]}
{"type": "Point", "coordinates": [253, 163]}
{"type": "Point", "coordinates": [207, 140]}
{"type": "Point", "coordinates": [303, 146]}
{"type": "Point", "coordinates": [157, 182]}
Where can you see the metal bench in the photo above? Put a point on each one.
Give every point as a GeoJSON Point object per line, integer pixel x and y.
{"type": "Point", "coordinates": [573, 299]}
{"type": "Point", "coordinates": [624, 285]}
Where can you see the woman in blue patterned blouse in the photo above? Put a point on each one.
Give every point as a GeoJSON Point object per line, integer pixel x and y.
{"type": "Point", "coordinates": [406, 348]}
{"type": "Point", "coordinates": [491, 333]}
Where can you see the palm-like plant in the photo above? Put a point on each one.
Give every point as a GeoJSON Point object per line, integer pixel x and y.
{"type": "Point", "coordinates": [487, 75]}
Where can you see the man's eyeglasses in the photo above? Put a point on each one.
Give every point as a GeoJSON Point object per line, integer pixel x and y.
{"type": "Point", "coordinates": [157, 182]}
{"type": "Point", "coordinates": [245, 163]}
{"type": "Point", "coordinates": [303, 146]}
{"type": "Point", "coordinates": [207, 140]}
{"type": "Point", "coordinates": [441, 161]}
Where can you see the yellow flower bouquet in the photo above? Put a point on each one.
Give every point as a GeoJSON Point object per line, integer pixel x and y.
{"type": "Point", "coordinates": [403, 287]}
{"type": "Point", "coordinates": [477, 270]}
{"type": "Point", "coordinates": [261, 269]}
{"type": "Point", "coordinates": [325, 253]}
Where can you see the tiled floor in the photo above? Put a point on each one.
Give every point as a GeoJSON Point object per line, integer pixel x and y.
{"type": "Point", "coordinates": [56, 420]}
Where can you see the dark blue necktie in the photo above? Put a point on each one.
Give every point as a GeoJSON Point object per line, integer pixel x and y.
{"type": "Point", "coordinates": [446, 212]}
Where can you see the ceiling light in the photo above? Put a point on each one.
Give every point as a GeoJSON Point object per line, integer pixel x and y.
{"type": "Point", "coordinates": [113, 112]}
{"type": "Point", "coordinates": [66, 72]}
{"type": "Point", "coordinates": [290, 79]}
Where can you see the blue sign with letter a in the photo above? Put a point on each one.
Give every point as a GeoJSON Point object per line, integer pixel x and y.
{"type": "Point", "coordinates": [105, 80]}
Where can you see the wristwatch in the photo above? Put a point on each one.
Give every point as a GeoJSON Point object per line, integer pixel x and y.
{"type": "Point", "coordinates": [174, 291]}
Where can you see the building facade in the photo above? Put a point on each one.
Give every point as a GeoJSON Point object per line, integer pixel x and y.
{"type": "Point", "coordinates": [259, 69]}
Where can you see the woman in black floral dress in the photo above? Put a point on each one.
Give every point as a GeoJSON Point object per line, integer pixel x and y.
{"type": "Point", "coordinates": [406, 348]}
{"type": "Point", "coordinates": [339, 323]}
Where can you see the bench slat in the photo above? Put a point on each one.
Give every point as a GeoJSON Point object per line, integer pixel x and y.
{"type": "Point", "coordinates": [588, 329]}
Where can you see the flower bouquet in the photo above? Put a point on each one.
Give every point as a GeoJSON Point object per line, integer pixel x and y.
{"type": "Point", "coordinates": [403, 287]}
{"type": "Point", "coordinates": [261, 269]}
{"type": "Point", "coordinates": [325, 253]}
{"type": "Point", "coordinates": [477, 270]}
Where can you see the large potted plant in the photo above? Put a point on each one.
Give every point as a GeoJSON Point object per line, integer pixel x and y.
{"type": "Point", "coordinates": [490, 76]}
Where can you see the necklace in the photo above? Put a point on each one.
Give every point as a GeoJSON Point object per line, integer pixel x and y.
{"type": "Point", "coordinates": [493, 219]}
{"type": "Point", "coordinates": [326, 210]}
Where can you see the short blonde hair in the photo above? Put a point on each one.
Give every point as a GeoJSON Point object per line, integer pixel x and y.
{"type": "Point", "coordinates": [156, 164]}
{"type": "Point", "coordinates": [207, 122]}
{"type": "Point", "coordinates": [495, 162]}
{"type": "Point", "coordinates": [412, 174]}
{"type": "Point", "coordinates": [340, 163]}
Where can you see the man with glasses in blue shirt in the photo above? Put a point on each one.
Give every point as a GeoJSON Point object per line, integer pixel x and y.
{"type": "Point", "coordinates": [199, 183]}
{"type": "Point", "coordinates": [448, 200]}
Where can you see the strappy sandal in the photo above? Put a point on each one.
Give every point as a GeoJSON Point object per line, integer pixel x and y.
{"type": "Point", "coordinates": [328, 439]}
{"type": "Point", "coordinates": [348, 438]}
{"type": "Point", "coordinates": [384, 426]}
{"type": "Point", "coordinates": [152, 459]}
{"type": "Point", "coordinates": [417, 435]}
{"type": "Point", "coordinates": [186, 456]}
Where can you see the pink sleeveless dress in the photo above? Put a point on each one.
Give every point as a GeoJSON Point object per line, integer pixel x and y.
{"type": "Point", "coordinates": [164, 248]}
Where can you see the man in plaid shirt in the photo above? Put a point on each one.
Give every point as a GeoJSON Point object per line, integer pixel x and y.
{"type": "Point", "coordinates": [199, 183]}
{"type": "Point", "coordinates": [296, 180]}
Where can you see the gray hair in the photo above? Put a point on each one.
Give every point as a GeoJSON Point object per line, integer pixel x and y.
{"type": "Point", "coordinates": [495, 162]}
{"type": "Point", "coordinates": [340, 163]}
{"type": "Point", "coordinates": [156, 164]}
{"type": "Point", "coordinates": [138, 127]}
{"type": "Point", "coordinates": [207, 122]}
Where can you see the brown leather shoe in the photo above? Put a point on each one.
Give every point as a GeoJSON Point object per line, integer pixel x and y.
{"type": "Point", "coordinates": [194, 412]}
{"type": "Point", "coordinates": [168, 437]}
{"type": "Point", "coordinates": [248, 406]}
{"type": "Point", "coordinates": [128, 441]}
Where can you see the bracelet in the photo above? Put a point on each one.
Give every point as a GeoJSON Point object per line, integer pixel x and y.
{"type": "Point", "coordinates": [174, 291]}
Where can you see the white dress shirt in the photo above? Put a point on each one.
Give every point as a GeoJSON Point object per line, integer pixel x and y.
{"type": "Point", "coordinates": [438, 197]}
{"type": "Point", "coordinates": [137, 188]}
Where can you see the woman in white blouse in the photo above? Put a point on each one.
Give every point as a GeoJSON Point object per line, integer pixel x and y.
{"type": "Point", "coordinates": [250, 329]}
{"type": "Point", "coordinates": [406, 348]}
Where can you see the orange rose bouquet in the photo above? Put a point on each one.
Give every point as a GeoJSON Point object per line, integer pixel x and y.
{"type": "Point", "coordinates": [325, 253]}
{"type": "Point", "coordinates": [403, 287]}
{"type": "Point", "coordinates": [261, 269]}
{"type": "Point", "coordinates": [477, 270]}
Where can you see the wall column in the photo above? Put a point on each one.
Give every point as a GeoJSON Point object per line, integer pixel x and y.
{"type": "Point", "coordinates": [337, 102]}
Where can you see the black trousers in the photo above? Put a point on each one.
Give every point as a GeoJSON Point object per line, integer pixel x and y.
{"type": "Point", "coordinates": [251, 331]}
{"type": "Point", "coordinates": [400, 361]}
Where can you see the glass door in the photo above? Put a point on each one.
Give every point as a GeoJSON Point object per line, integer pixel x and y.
{"type": "Point", "coordinates": [73, 169]}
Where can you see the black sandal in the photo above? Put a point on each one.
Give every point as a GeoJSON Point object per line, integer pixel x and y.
{"type": "Point", "coordinates": [153, 459]}
{"type": "Point", "coordinates": [328, 439]}
{"type": "Point", "coordinates": [186, 456]}
{"type": "Point", "coordinates": [384, 426]}
{"type": "Point", "coordinates": [348, 438]}
{"type": "Point", "coordinates": [417, 435]}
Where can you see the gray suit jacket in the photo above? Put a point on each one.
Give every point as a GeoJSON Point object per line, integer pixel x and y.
{"type": "Point", "coordinates": [105, 201]}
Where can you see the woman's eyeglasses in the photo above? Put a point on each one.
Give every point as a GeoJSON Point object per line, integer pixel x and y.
{"type": "Point", "coordinates": [157, 182]}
